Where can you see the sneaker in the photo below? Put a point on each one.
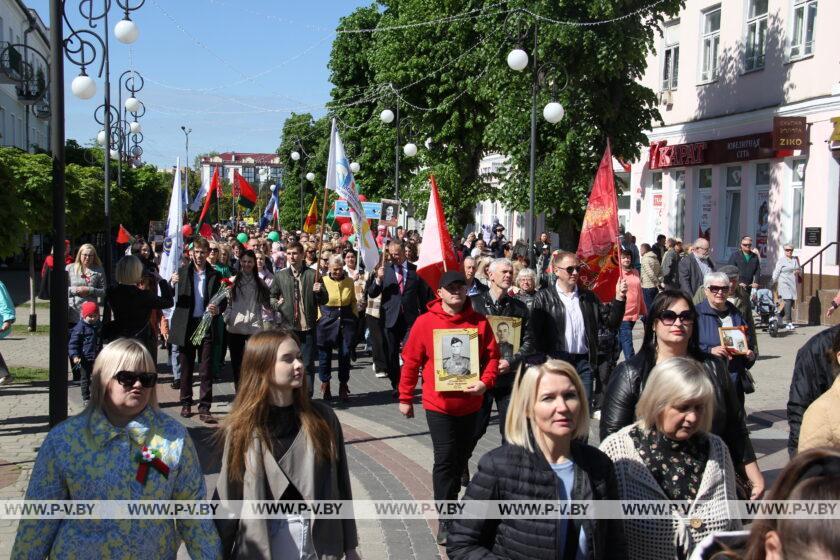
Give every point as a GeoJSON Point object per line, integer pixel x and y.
{"type": "Point", "coordinates": [381, 374]}
{"type": "Point", "coordinates": [186, 411]}
{"type": "Point", "coordinates": [791, 327]}
{"type": "Point", "coordinates": [176, 384]}
{"type": "Point", "coordinates": [344, 392]}
{"type": "Point", "coordinates": [443, 532]}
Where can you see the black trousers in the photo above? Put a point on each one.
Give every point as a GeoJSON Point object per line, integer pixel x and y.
{"type": "Point", "coordinates": [377, 342]}
{"type": "Point", "coordinates": [452, 441]}
{"type": "Point", "coordinates": [394, 337]}
{"type": "Point", "coordinates": [482, 420]}
{"type": "Point", "coordinates": [187, 356]}
{"type": "Point", "coordinates": [236, 343]}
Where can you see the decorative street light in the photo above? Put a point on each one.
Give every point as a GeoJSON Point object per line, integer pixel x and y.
{"type": "Point", "coordinates": [517, 60]}
{"type": "Point", "coordinates": [354, 167]}
{"type": "Point", "coordinates": [304, 176]}
{"type": "Point", "coordinates": [310, 177]}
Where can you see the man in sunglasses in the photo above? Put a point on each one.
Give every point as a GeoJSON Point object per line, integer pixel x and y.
{"type": "Point", "coordinates": [748, 263]}
{"type": "Point", "coordinates": [565, 318]}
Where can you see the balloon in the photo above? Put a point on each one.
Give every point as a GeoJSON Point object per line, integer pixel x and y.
{"type": "Point", "coordinates": [273, 236]}
{"type": "Point", "coordinates": [342, 220]}
{"type": "Point", "coordinates": [347, 228]}
{"type": "Point", "coordinates": [242, 237]}
{"type": "Point", "coordinates": [363, 198]}
{"type": "Point", "coordinates": [187, 230]}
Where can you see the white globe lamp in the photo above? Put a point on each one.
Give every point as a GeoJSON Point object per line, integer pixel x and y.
{"type": "Point", "coordinates": [126, 31]}
{"type": "Point", "coordinates": [295, 156]}
{"type": "Point", "coordinates": [517, 59]}
{"type": "Point", "coordinates": [354, 167]}
{"type": "Point", "coordinates": [114, 154]}
{"type": "Point", "coordinates": [132, 104]}
{"type": "Point", "coordinates": [135, 127]}
{"type": "Point", "coordinates": [83, 86]}
{"type": "Point", "coordinates": [310, 176]}
{"type": "Point", "coordinates": [553, 112]}
{"type": "Point", "coordinates": [273, 188]}
{"type": "Point", "coordinates": [410, 149]}
{"type": "Point", "coordinates": [386, 116]}
{"type": "Point", "coordinates": [101, 138]}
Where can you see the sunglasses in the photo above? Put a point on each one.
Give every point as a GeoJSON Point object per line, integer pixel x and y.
{"type": "Point", "coordinates": [129, 378]}
{"type": "Point", "coordinates": [718, 289]}
{"type": "Point", "coordinates": [669, 317]}
{"type": "Point", "coordinates": [214, 250]}
{"type": "Point", "coordinates": [573, 269]}
{"type": "Point", "coordinates": [746, 244]}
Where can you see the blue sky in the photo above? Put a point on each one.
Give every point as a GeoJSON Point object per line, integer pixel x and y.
{"type": "Point", "coordinates": [231, 70]}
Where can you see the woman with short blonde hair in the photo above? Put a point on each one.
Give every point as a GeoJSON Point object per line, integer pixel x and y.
{"type": "Point", "coordinates": [670, 455]}
{"type": "Point", "coordinates": [545, 458]}
{"type": "Point", "coordinates": [121, 447]}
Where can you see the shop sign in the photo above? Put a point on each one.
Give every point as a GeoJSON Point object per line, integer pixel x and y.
{"type": "Point", "coordinates": [790, 133]}
{"type": "Point", "coordinates": [739, 148]}
{"type": "Point", "coordinates": [813, 236]}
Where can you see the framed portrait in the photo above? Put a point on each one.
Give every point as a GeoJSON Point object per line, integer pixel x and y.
{"type": "Point", "coordinates": [508, 333]}
{"type": "Point", "coordinates": [390, 212]}
{"type": "Point", "coordinates": [734, 339]}
{"type": "Point", "coordinates": [456, 359]}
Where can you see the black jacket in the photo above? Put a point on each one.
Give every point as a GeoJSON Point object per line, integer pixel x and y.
{"type": "Point", "coordinates": [507, 307]}
{"type": "Point", "coordinates": [409, 304]}
{"type": "Point", "coordinates": [812, 376]}
{"type": "Point", "coordinates": [132, 308]}
{"type": "Point", "coordinates": [511, 473]}
{"type": "Point", "coordinates": [548, 321]}
{"type": "Point", "coordinates": [748, 271]}
{"type": "Point", "coordinates": [628, 381]}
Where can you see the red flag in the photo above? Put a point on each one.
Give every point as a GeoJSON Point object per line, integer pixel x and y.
{"type": "Point", "coordinates": [243, 192]}
{"type": "Point", "coordinates": [436, 252]}
{"type": "Point", "coordinates": [123, 236]}
{"type": "Point", "coordinates": [206, 231]}
{"type": "Point", "coordinates": [215, 187]}
{"type": "Point", "coordinates": [598, 245]}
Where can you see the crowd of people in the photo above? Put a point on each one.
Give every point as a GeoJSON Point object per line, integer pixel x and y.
{"type": "Point", "coordinates": [530, 339]}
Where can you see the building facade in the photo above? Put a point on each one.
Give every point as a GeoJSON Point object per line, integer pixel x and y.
{"type": "Point", "coordinates": [257, 169]}
{"type": "Point", "coordinates": [24, 116]}
{"type": "Point", "coordinates": [725, 72]}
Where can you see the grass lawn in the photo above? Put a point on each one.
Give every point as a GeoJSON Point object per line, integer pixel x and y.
{"type": "Point", "coordinates": [23, 329]}
{"type": "Point", "coordinates": [29, 374]}
{"type": "Point", "coordinates": [38, 305]}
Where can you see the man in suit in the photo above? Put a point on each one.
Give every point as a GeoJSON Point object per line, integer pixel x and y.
{"type": "Point", "coordinates": [404, 298]}
{"type": "Point", "coordinates": [293, 295]}
{"type": "Point", "coordinates": [197, 284]}
{"type": "Point", "coordinates": [694, 267]}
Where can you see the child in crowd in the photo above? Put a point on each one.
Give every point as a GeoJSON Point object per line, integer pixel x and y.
{"type": "Point", "coordinates": [85, 344]}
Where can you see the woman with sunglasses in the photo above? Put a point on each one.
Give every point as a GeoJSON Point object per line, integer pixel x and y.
{"type": "Point", "coordinates": [786, 274]}
{"type": "Point", "coordinates": [280, 446]}
{"type": "Point", "coordinates": [310, 256]}
{"type": "Point", "coordinates": [670, 332]}
{"type": "Point", "coordinates": [121, 447]}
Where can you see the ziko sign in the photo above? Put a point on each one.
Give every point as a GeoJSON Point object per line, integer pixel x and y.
{"type": "Point", "coordinates": [790, 133]}
{"type": "Point", "coordinates": [739, 148]}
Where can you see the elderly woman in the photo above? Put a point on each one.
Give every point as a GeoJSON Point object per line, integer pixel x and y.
{"type": "Point", "coordinates": [544, 459]}
{"type": "Point", "coordinates": [668, 455]}
{"type": "Point", "coordinates": [280, 446]}
{"type": "Point", "coordinates": [718, 312]}
{"type": "Point", "coordinates": [122, 447]}
{"type": "Point", "coordinates": [336, 328]}
{"type": "Point", "coordinates": [526, 280]}
{"type": "Point", "coordinates": [785, 277]}
{"type": "Point", "coordinates": [86, 281]}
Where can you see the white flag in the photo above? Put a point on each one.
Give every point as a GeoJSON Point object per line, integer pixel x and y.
{"type": "Point", "coordinates": [173, 244]}
{"type": "Point", "coordinates": [199, 196]}
{"type": "Point", "coordinates": [340, 179]}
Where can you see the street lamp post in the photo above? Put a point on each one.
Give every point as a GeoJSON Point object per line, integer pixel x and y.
{"type": "Point", "coordinates": [304, 176]}
{"type": "Point", "coordinates": [553, 112]}
{"type": "Point", "coordinates": [410, 149]}
{"type": "Point", "coordinates": [187, 167]}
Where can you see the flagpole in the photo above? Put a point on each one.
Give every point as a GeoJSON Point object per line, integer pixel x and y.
{"type": "Point", "coordinates": [321, 235]}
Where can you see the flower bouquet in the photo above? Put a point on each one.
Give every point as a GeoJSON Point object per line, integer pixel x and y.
{"type": "Point", "coordinates": [207, 318]}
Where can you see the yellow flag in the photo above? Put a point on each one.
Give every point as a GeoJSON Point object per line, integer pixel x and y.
{"type": "Point", "coordinates": [311, 217]}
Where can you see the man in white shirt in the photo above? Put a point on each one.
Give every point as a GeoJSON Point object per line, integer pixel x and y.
{"type": "Point", "coordinates": [565, 318]}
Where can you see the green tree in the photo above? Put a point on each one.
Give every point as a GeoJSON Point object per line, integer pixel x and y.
{"type": "Point", "coordinates": [310, 138]}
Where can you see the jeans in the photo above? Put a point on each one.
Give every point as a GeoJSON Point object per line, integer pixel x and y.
{"type": "Point", "coordinates": [452, 439]}
{"type": "Point", "coordinates": [583, 368]}
{"type": "Point", "coordinates": [325, 352]}
{"type": "Point", "coordinates": [307, 350]}
{"type": "Point", "coordinates": [236, 343]}
{"type": "Point", "coordinates": [625, 338]}
{"type": "Point", "coordinates": [175, 361]}
{"type": "Point", "coordinates": [648, 295]}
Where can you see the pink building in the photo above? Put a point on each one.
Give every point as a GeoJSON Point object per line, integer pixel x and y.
{"type": "Point", "coordinates": [723, 71]}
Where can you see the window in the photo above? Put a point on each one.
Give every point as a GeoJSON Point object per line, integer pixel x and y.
{"type": "Point", "coordinates": [804, 19]}
{"type": "Point", "coordinates": [733, 207]}
{"type": "Point", "coordinates": [656, 181]}
{"type": "Point", "coordinates": [798, 185]}
{"type": "Point", "coordinates": [756, 34]}
{"type": "Point", "coordinates": [248, 173]}
{"type": "Point", "coordinates": [709, 66]}
{"type": "Point", "coordinates": [678, 223]}
{"type": "Point", "coordinates": [671, 60]}
{"type": "Point", "coordinates": [705, 178]}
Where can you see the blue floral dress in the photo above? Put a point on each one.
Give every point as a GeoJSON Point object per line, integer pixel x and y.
{"type": "Point", "coordinates": [88, 458]}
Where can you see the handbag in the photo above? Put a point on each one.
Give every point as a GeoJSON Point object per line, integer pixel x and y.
{"type": "Point", "coordinates": [747, 381]}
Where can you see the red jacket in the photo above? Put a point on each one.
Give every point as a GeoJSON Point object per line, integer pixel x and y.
{"type": "Point", "coordinates": [419, 353]}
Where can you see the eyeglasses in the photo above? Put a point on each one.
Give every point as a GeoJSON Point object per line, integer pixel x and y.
{"type": "Point", "coordinates": [128, 378]}
{"type": "Point", "coordinates": [746, 244]}
{"type": "Point", "coordinates": [718, 289]}
{"type": "Point", "coordinates": [669, 317]}
{"type": "Point", "coordinates": [789, 250]}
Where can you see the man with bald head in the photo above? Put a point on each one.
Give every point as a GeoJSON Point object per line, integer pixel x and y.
{"type": "Point", "coordinates": [694, 267]}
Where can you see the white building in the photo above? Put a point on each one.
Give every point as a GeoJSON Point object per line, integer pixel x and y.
{"type": "Point", "coordinates": [24, 123]}
{"type": "Point", "coordinates": [254, 168]}
{"type": "Point", "coordinates": [724, 70]}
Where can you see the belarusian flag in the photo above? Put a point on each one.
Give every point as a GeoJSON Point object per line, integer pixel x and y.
{"type": "Point", "coordinates": [215, 187]}
{"type": "Point", "coordinates": [311, 217]}
{"type": "Point", "coordinates": [247, 195]}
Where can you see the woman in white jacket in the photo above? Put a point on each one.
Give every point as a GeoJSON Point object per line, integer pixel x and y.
{"type": "Point", "coordinates": [784, 276]}
{"type": "Point", "coordinates": [669, 456]}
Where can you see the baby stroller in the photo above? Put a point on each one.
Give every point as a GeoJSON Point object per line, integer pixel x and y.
{"type": "Point", "coordinates": [765, 308]}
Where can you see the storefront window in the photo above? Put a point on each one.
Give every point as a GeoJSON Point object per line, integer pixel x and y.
{"type": "Point", "coordinates": [705, 178]}
{"type": "Point", "coordinates": [798, 185]}
{"type": "Point", "coordinates": [678, 223]}
{"type": "Point", "coordinates": [656, 181]}
{"type": "Point", "coordinates": [762, 196]}
{"type": "Point", "coordinates": [733, 207]}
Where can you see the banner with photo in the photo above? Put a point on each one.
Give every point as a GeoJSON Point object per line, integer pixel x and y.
{"type": "Point", "coordinates": [373, 210]}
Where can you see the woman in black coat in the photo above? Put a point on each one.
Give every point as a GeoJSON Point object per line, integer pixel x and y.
{"type": "Point", "coordinates": [132, 306]}
{"type": "Point", "coordinates": [542, 461]}
{"type": "Point", "coordinates": [670, 332]}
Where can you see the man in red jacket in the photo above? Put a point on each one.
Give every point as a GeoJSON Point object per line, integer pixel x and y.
{"type": "Point", "coordinates": [451, 415]}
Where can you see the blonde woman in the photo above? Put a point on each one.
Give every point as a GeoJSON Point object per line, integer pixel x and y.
{"type": "Point", "coordinates": [86, 281]}
{"type": "Point", "coordinates": [281, 446]}
{"type": "Point", "coordinates": [544, 459]}
{"type": "Point", "coordinates": [669, 455]}
{"type": "Point", "coordinates": [99, 455]}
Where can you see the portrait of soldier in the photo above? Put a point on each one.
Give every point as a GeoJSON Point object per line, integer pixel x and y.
{"type": "Point", "coordinates": [503, 340]}
{"type": "Point", "coordinates": [456, 363]}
